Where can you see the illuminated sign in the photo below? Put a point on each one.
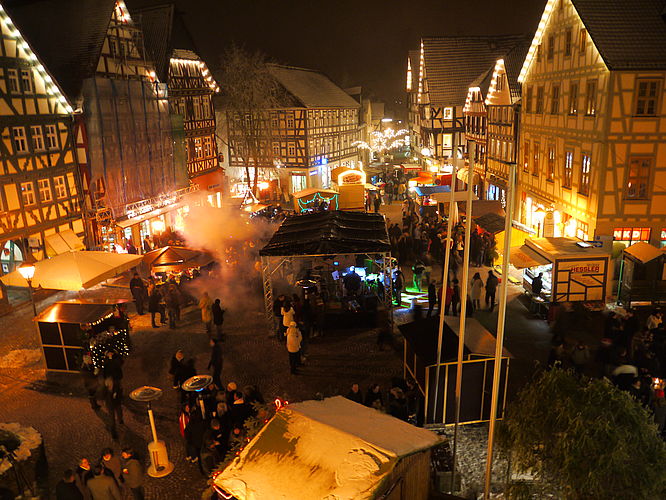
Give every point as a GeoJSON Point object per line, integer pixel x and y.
{"type": "Point", "coordinates": [351, 177]}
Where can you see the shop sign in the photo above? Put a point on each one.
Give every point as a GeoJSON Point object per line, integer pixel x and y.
{"type": "Point", "coordinates": [583, 266]}
{"type": "Point", "coordinates": [351, 177]}
{"type": "Point", "coordinates": [549, 225]}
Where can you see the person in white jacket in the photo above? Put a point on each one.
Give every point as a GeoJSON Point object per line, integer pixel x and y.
{"type": "Point", "coordinates": [294, 339]}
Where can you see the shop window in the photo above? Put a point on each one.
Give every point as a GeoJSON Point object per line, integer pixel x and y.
{"type": "Point", "coordinates": [536, 159]}
{"type": "Point", "coordinates": [638, 178]}
{"type": "Point", "coordinates": [44, 190]}
{"type": "Point", "coordinates": [647, 97]}
{"type": "Point", "coordinates": [59, 185]}
{"type": "Point", "coordinates": [550, 169]}
{"type": "Point", "coordinates": [631, 235]}
{"type": "Point", "coordinates": [573, 99]}
{"type": "Point", "coordinates": [584, 187]}
{"type": "Point", "coordinates": [591, 98]}
{"type": "Point", "coordinates": [555, 100]}
{"type": "Point", "coordinates": [28, 193]}
{"type": "Point", "coordinates": [298, 183]}
{"type": "Point", "coordinates": [568, 169]}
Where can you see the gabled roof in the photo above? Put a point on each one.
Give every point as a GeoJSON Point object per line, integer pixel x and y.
{"type": "Point", "coordinates": [72, 51]}
{"type": "Point", "coordinates": [453, 62]}
{"type": "Point", "coordinates": [513, 62]}
{"type": "Point", "coordinates": [312, 88]}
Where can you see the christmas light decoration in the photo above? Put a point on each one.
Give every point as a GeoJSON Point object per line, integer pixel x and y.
{"type": "Point", "coordinates": [536, 41]}
{"type": "Point", "coordinates": [381, 142]}
{"type": "Point", "coordinates": [101, 343]}
{"type": "Point", "coordinates": [307, 204]}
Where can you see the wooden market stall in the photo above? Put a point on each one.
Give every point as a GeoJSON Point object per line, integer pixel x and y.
{"type": "Point", "coordinates": [311, 199]}
{"type": "Point", "coordinates": [643, 274]}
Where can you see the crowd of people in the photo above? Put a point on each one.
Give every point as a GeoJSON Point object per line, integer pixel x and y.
{"type": "Point", "coordinates": [403, 400]}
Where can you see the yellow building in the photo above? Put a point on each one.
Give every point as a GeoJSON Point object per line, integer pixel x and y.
{"type": "Point", "coordinates": [592, 150]}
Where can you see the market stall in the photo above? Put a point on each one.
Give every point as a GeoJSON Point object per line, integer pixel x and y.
{"type": "Point", "coordinates": [69, 329]}
{"type": "Point", "coordinates": [642, 274]}
{"type": "Point", "coordinates": [351, 188]}
{"type": "Point", "coordinates": [572, 270]}
{"type": "Point", "coordinates": [313, 199]}
{"type": "Point", "coordinates": [331, 249]}
{"type": "Point", "coordinates": [333, 448]}
{"type": "Point", "coordinates": [176, 260]}
{"type": "Point", "coordinates": [420, 353]}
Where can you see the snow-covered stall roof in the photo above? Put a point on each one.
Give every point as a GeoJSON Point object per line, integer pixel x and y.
{"type": "Point", "coordinates": [333, 449]}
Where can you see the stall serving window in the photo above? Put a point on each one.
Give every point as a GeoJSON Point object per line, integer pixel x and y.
{"type": "Point", "coordinates": [547, 279]}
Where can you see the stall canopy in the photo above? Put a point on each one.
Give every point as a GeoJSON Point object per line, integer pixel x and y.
{"type": "Point", "coordinates": [75, 270]}
{"type": "Point", "coordinates": [523, 257]}
{"type": "Point", "coordinates": [643, 252]}
{"type": "Point", "coordinates": [64, 241]}
{"type": "Point", "coordinates": [75, 312]}
{"type": "Point", "coordinates": [430, 190]}
{"type": "Point", "coordinates": [175, 258]}
{"type": "Point", "coordinates": [334, 449]}
{"type": "Point", "coordinates": [329, 233]}
{"type": "Point", "coordinates": [491, 222]}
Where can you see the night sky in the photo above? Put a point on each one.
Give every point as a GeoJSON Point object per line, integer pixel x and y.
{"type": "Point", "coordinates": [355, 42]}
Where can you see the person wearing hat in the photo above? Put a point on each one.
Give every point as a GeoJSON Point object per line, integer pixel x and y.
{"type": "Point", "coordinates": [294, 339]}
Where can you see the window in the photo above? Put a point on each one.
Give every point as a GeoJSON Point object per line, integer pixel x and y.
{"type": "Point", "coordinates": [550, 169]}
{"type": "Point", "coordinates": [526, 156]}
{"type": "Point", "coordinates": [44, 190]}
{"type": "Point", "coordinates": [274, 121]}
{"type": "Point", "coordinates": [582, 41]}
{"type": "Point", "coordinates": [567, 42]}
{"type": "Point", "coordinates": [26, 81]}
{"type": "Point", "coordinates": [290, 122]}
{"type": "Point", "coordinates": [555, 100]}
{"type": "Point", "coordinates": [584, 187]}
{"type": "Point", "coordinates": [631, 235]}
{"type": "Point", "coordinates": [448, 114]}
{"type": "Point", "coordinates": [647, 97]}
{"type": "Point", "coordinates": [276, 149]}
{"type": "Point", "coordinates": [551, 47]}
{"type": "Point", "coordinates": [19, 141]}
{"type": "Point", "coordinates": [638, 178]}
{"type": "Point", "coordinates": [538, 54]}
{"type": "Point", "coordinates": [568, 169]}
{"type": "Point", "coordinates": [12, 75]}
{"type": "Point", "coordinates": [591, 98]}
{"type": "Point", "coordinates": [528, 100]}
{"type": "Point", "coordinates": [37, 138]}
{"type": "Point", "coordinates": [59, 185]}
{"type": "Point", "coordinates": [500, 82]}
{"type": "Point", "coordinates": [536, 158]}
{"type": "Point", "coordinates": [208, 147]}
{"type": "Point", "coordinates": [582, 230]}
{"type": "Point", "coordinates": [573, 99]}
{"type": "Point", "coordinates": [28, 193]}
{"type": "Point", "coordinates": [51, 137]}
{"type": "Point", "coordinates": [539, 100]}
{"type": "Point", "coordinates": [291, 149]}
{"type": "Point", "coordinates": [663, 237]}
{"type": "Point", "coordinates": [198, 149]}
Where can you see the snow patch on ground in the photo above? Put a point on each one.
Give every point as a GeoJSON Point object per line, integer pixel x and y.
{"type": "Point", "coordinates": [20, 358]}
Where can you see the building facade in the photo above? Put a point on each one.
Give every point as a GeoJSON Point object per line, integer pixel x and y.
{"type": "Point", "coordinates": [39, 179]}
{"type": "Point", "coordinates": [593, 123]}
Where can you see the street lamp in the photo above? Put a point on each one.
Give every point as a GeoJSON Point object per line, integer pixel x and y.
{"type": "Point", "coordinates": [27, 270]}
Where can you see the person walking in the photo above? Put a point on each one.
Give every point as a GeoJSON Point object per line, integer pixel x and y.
{"type": "Point", "coordinates": [218, 318]}
{"type": "Point", "coordinates": [66, 488]}
{"type": "Point", "coordinates": [90, 377]}
{"type": "Point", "coordinates": [398, 284]}
{"type": "Point", "coordinates": [138, 289]}
{"type": "Point", "coordinates": [172, 301]}
{"type": "Point", "coordinates": [215, 363]}
{"type": "Point", "coordinates": [206, 305]}
{"type": "Point", "coordinates": [133, 473]}
{"type": "Point", "coordinates": [114, 406]}
{"type": "Point", "coordinates": [102, 486]}
{"type": "Point", "coordinates": [154, 306]}
{"type": "Point", "coordinates": [294, 339]}
{"type": "Point", "coordinates": [417, 269]}
{"type": "Point", "coordinates": [491, 289]}
{"type": "Point", "coordinates": [475, 290]}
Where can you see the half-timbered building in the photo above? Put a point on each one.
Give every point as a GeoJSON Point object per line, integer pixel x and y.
{"type": "Point", "coordinates": [299, 143]}
{"type": "Point", "coordinates": [412, 87]}
{"type": "Point", "coordinates": [39, 180]}
{"type": "Point", "coordinates": [593, 122]}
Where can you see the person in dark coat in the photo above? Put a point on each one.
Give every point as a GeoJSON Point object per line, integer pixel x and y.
{"type": "Point", "coordinates": [194, 435]}
{"type": "Point", "coordinates": [113, 368]}
{"type": "Point", "coordinates": [355, 394]}
{"type": "Point", "coordinates": [114, 406]}
{"type": "Point", "coordinates": [215, 363]}
{"type": "Point", "coordinates": [373, 397]}
{"type": "Point", "coordinates": [138, 289]}
{"type": "Point", "coordinates": [133, 473]}
{"type": "Point", "coordinates": [239, 412]}
{"type": "Point", "coordinates": [89, 374]}
{"type": "Point", "coordinates": [155, 307]}
{"type": "Point", "coordinates": [491, 290]}
{"type": "Point", "coordinates": [103, 487]}
{"type": "Point", "coordinates": [218, 318]}
{"type": "Point", "coordinates": [66, 488]}
{"type": "Point", "coordinates": [83, 475]}
{"type": "Point", "coordinates": [172, 300]}
{"type": "Point", "coordinates": [111, 464]}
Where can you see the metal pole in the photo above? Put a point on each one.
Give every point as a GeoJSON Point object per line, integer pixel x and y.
{"type": "Point", "coordinates": [152, 422]}
{"type": "Point", "coordinates": [499, 343]}
{"type": "Point", "coordinates": [445, 279]}
{"type": "Point", "coordinates": [463, 302]}
{"type": "Point", "coordinates": [32, 297]}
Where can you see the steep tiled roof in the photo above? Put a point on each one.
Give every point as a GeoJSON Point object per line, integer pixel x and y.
{"type": "Point", "coordinates": [452, 63]}
{"type": "Point", "coordinates": [513, 62]}
{"type": "Point", "coordinates": [312, 88]}
{"type": "Point", "coordinates": [629, 34]}
{"type": "Point", "coordinates": [72, 51]}
{"type": "Point", "coordinates": [156, 25]}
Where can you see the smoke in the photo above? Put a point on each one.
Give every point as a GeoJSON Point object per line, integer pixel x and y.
{"type": "Point", "coordinates": [235, 241]}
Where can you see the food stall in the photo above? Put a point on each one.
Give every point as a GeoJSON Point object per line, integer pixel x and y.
{"type": "Point", "coordinates": [573, 270]}
{"type": "Point", "coordinates": [642, 274]}
{"type": "Point", "coordinates": [70, 329]}
{"type": "Point", "coordinates": [312, 199]}
{"type": "Point", "coordinates": [351, 187]}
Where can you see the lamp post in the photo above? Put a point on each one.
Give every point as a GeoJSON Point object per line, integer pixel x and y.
{"type": "Point", "coordinates": [27, 270]}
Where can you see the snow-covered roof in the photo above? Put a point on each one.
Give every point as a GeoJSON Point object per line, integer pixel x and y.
{"type": "Point", "coordinates": [333, 449]}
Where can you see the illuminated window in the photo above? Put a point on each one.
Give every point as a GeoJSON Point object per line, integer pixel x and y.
{"type": "Point", "coordinates": [551, 47]}
{"type": "Point", "coordinates": [582, 230]}
{"type": "Point", "coordinates": [208, 146]}
{"type": "Point", "coordinates": [536, 158]}
{"type": "Point", "coordinates": [647, 97]}
{"type": "Point", "coordinates": [631, 235]}
{"type": "Point", "coordinates": [448, 113]}
{"type": "Point", "coordinates": [526, 156]}
{"type": "Point", "coordinates": [573, 98]}
{"type": "Point", "coordinates": [591, 98]}
{"type": "Point", "coordinates": [12, 76]}
{"type": "Point", "coordinates": [44, 190]}
{"type": "Point", "coordinates": [500, 82]}
{"type": "Point", "coordinates": [539, 100]}
{"type": "Point", "coordinates": [550, 169]}
{"type": "Point", "coordinates": [51, 137]}
{"type": "Point", "coordinates": [555, 100]}
{"type": "Point", "coordinates": [584, 187]}
{"type": "Point", "coordinates": [638, 178]}
{"type": "Point", "coordinates": [19, 140]}
{"type": "Point", "coordinates": [59, 185]}
{"type": "Point", "coordinates": [276, 149]}
{"type": "Point", "coordinates": [567, 42]}
{"type": "Point", "coordinates": [582, 41]}
{"type": "Point", "coordinates": [26, 81]}
{"type": "Point", "coordinates": [663, 237]}
{"type": "Point", "coordinates": [198, 148]}
{"type": "Point", "coordinates": [28, 193]}
{"type": "Point", "coordinates": [568, 169]}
